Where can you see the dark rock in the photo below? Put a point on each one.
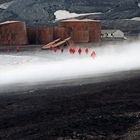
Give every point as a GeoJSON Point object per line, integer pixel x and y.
{"type": "Point", "coordinates": [125, 9]}
{"type": "Point", "coordinates": [33, 12]}
{"type": "Point", "coordinates": [3, 1]}
{"type": "Point", "coordinates": [121, 24]}
{"type": "Point", "coordinates": [40, 12]}
{"type": "Point", "coordinates": [1, 10]}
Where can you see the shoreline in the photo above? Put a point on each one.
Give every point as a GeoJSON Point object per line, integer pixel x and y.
{"type": "Point", "coordinates": [92, 111]}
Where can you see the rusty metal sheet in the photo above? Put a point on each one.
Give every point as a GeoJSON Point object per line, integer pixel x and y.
{"type": "Point", "coordinates": [61, 32]}
{"type": "Point", "coordinates": [32, 35]}
{"type": "Point", "coordinates": [13, 33]}
{"type": "Point", "coordinates": [45, 35]}
{"type": "Point", "coordinates": [40, 35]}
{"type": "Point", "coordinates": [83, 30]}
{"type": "Point", "coordinates": [81, 36]}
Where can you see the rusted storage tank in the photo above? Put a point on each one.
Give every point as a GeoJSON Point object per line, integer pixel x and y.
{"type": "Point", "coordinates": [94, 30]}
{"type": "Point", "coordinates": [40, 35]}
{"type": "Point", "coordinates": [83, 30]}
{"type": "Point", "coordinates": [45, 35]}
{"type": "Point", "coordinates": [32, 35]}
{"type": "Point", "coordinates": [61, 32]}
{"type": "Point", "coordinates": [13, 33]}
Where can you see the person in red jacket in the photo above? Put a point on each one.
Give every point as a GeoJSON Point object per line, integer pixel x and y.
{"type": "Point", "coordinates": [18, 49]}
{"type": "Point", "coordinates": [79, 50]}
{"type": "Point", "coordinates": [93, 54]}
{"type": "Point", "coordinates": [86, 50]}
{"type": "Point", "coordinates": [62, 50]}
{"type": "Point", "coordinates": [72, 50]}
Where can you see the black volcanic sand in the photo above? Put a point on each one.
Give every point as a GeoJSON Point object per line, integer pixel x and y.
{"type": "Point", "coordinates": [99, 111]}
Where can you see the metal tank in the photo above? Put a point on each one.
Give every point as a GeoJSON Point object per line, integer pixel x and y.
{"type": "Point", "coordinates": [13, 33]}
{"type": "Point", "coordinates": [83, 30]}
{"type": "Point", "coordinates": [61, 32]}
{"type": "Point", "coordinates": [40, 35]}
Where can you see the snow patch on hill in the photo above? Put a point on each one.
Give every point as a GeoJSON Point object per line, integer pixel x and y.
{"type": "Point", "coordinates": [63, 14]}
{"type": "Point", "coordinates": [136, 18]}
{"type": "Point", "coordinates": [5, 5]}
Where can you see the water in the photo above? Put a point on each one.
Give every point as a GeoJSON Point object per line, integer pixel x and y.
{"type": "Point", "coordinates": [47, 66]}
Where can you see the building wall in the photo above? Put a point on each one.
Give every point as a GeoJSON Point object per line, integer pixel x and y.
{"type": "Point", "coordinates": [95, 32]}
{"type": "Point", "coordinates": [61, 32]}
{"type": "Point", "coordinates": [40, 35]}
{"type": "Point", "coordinates": [13, 33]}
{"type": "Point", "coordinates": [83, 30]}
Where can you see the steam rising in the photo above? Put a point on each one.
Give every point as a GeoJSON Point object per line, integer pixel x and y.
{"type": "Point", "coordinates": [50, 66]}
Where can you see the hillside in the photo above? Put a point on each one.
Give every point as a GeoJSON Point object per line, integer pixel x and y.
{"type": "Point", "coordinates": [41, 12]}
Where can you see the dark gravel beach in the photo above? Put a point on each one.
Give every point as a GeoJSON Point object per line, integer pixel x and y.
{"type": "Point", "coordinates": [86, 87]}
{"type": "Point", "coordinates": [104, 110]}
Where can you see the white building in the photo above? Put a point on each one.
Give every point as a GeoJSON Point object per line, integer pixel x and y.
{"type": "Point", "coordinates": [112, 34]}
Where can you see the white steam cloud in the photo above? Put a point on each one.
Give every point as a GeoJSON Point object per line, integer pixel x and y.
{"type": "Point", "coordinates": [50, 66]}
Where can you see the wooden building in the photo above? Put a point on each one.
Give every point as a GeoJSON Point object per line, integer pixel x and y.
{"type": "Point", "coordinates": [83, 30]}
{"type": "Point", "coordinates": [13, 33]}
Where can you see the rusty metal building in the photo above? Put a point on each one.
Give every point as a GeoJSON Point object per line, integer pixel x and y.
{"type": "Point", "coordinates": [40, 35]}
{"type": "Point", "coordinates": [13, 33]}
{"type": "Point", "coordinates": [83, 30]}
{"type": "Point", "coordinates": [16, 33]}
{"type": "Point", "coordinates": [61, 32]}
